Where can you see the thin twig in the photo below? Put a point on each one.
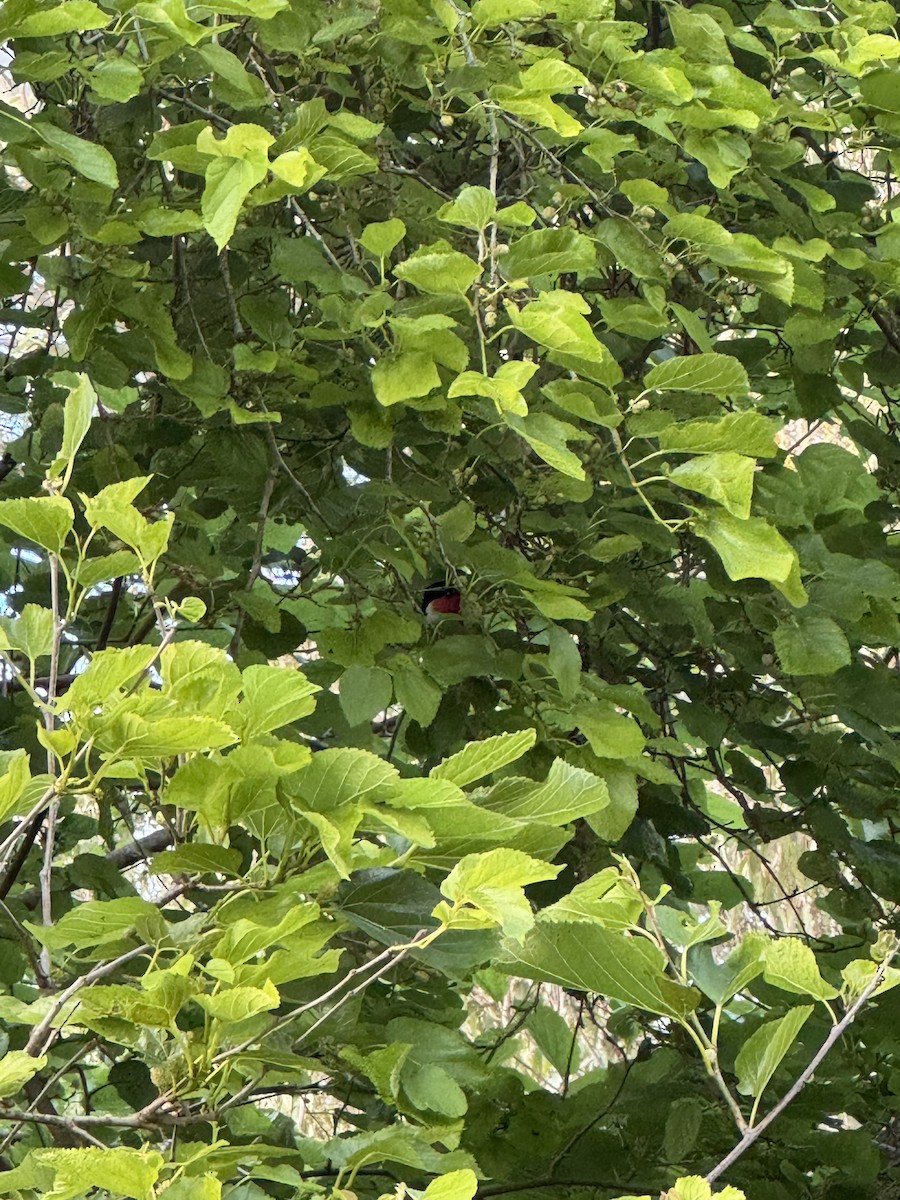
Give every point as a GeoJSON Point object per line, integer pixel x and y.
{"type": "Point", "coordinates": [383, 961]}
{"type": "Point", "coordinates": [237, 327]}
{"type": "Point", "coordinates": [360, 987]}
{"type": "Point", "coordinates": [313, 232]}
{"type": "Point", "coordinates": [110, 617]}
{"type": "Point", "coordinates": [54, 655]}
{"type": "Point", "coordinates": [18, 861]}
{"type": "Point", "coordinates": [279, 458]}
{"type": "Point", "coordinates": [802, 1080]}
{"type": "Point", "coordinates": [75, 1125]}
{"type": "Point", "coordinates": [256, 565]}
{"type": "Point", "coordinates": [39, 1043]}
{"type": "Point", "coordinates": [388, 959]}
{"type": "Point", "coordinates": [216, 118]}
{"type": "Point", "coordinates": [45, 875]}
{"type": "Point", "coordinates": [43, 981]}
{"type": "Point", "coordinates": [23, 826]}
{"type": "Point", "coordinates": [487, 247]}
{"type": "Point", "coordinates": [45, 878]}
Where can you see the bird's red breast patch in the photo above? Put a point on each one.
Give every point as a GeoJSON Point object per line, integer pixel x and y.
{"type": "Point", "coordinates": [448, 603]}
{"type": "Point", "coordinates": [440, 599]}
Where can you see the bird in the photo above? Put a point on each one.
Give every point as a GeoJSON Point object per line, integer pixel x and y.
{"type": "Point", "coordinates": [440, 599]}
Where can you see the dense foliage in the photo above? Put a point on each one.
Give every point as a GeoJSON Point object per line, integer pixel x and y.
{"type": "Point", "coordinates": [309, 303]}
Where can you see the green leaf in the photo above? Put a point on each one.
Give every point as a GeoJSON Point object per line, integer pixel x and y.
{"type": "Point", "coordinates": [723, 153]}
{"type": "Point", "coordinates": [132, 734]}
{"type": "Point", "coordinates": [87, 158]}
{"type": "Point", "coordinates": [879, 89]}
{"type": "Point", "coordinates": [811, 645]}
{"type": "Point", "coordinates": [701, 37]}
{"type": "Point", "coordinates": [516, 215]}
{"type": "Point", "coordinates": [555, 1040]}
{"type": "Point", "coordinates": [117, 1170]}
{"type": "Point", "coordinates": [694, 1187]}
{"type": "Point", "coordinates": [364, 691]}
{"type": "Point", "coordinates": [381, 237]}
{"type": "Point", "coordinates": [723, 476]}
{"type": "Point", "coordinates": [338, 777]}
{"type": "Point", "coordinates": [272, 697]}
{"type": "Point", "coordinates": [761, 1054]}
{"type": "Point", "coordinates": [429, 1088]}
{"type": "Point", "coordinates": [605, 145]}
{"type": "Point", "coordinates": [457, 1185]}
{"type": "Point", "coordinates": [547, 437]}
{"type": "Point", "coordinates": [126, 1004]}
{"type": "Point", "coordinates": [231, 83]}
{"type": "Point", "coordinates": [721, 981]}
{"type": "Point", "coordinates": [634, 318]}
{"type": "Point", "coordinates": [666, 83]}
{"type": "Point", "coordinates": [504, 388]}
{"type": "Point", "coordinates": [557, 320]}
{"type": "Point", "coordinates": [16, 1068]}
{"type": "Point", "coordinates": [197, 859]}
{"type": "Point", "coordinates": [568, 793]}
{"type": "Point", "coordinates": [31, 632]}
{"type": "Point", "coordinates": [110, 508]}
{"type": "Point", "coordinates": [13, 782]}
{"type": "Point", "coordinates": [239, 1003]}
{"type": "Point", "coordinates": [239, 161]}
{"type": "Point", "coordinates": [44, 520]}
{"type": "Point", "coordinates": [537, 106]}
{"type": "Point", "coordinates": [341, 157]}
{"type": "Point", "coordinates": [749, 433]}
{"type": "Point", "coordinates": [611, 548]}
{"type": "Point", "coordinates": [684, 929]}
{"type": "Point", "coordinates": [439, 270]}
{"type": "Point", "coordinates": [607, 899]}
{"type": "Point", "coordinates": [192, 609]}
{"type": "Point", "coordinates": [473, 208]}
{"type": "Point", "coordinates": [262, 10]}
{"type": "Point", "coordinates": [612, 822]}
{"type": "Point", "coordinates": [482, 758]}
{"type": "Point", "coordinates": [116, 78]}
{"type": "Point", "coordinates": [498, 12]}
{"type": "Point", "coordinates": [406, 376]}
{"type": "Point", "coordinates": [683, 1125]}
{"type": "Point", "coordinates": [599, 960]}
{"type": "Point", "coordinates": [107, 674]}
{"type": "Point", "coordinates": [170, 15]}
{"type": "Point", "coordinates": [565, 661]}
{"type": "Point", "coordinates": [791, 965]}
{"type": "Point", "coordinates": [457, 524]}
{"type": "Point", "coordinates": [749, 548]}
{"type": "Point", "coordinates": [633, 249]}
{"type": "Point", "coordinates": [717, 373]}
{"type": "Point", "coordinates": [609, 733]}
{"type": "Point", "coordinates": [91, 925]}
{"type": "Point", "coordinates": [585, 401]}
{"type": "Point", "coordinates": [548, 252]}
{"type": "Point", "coordinates": [297, 168]}
{"type": "Point", "coordinates": [415, 692]}
{"type": "Point", "coordinates": [78, 411]}
{"type": "Point", "coordinates": [75, 16]}
{"type": "Point", "coordinates": [492, 883]}
{"type": "Point", "coordinates": [693, 326]}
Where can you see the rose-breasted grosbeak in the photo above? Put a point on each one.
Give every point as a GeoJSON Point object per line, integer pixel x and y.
{"type": "Point", "coordinates": [440, 599]}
